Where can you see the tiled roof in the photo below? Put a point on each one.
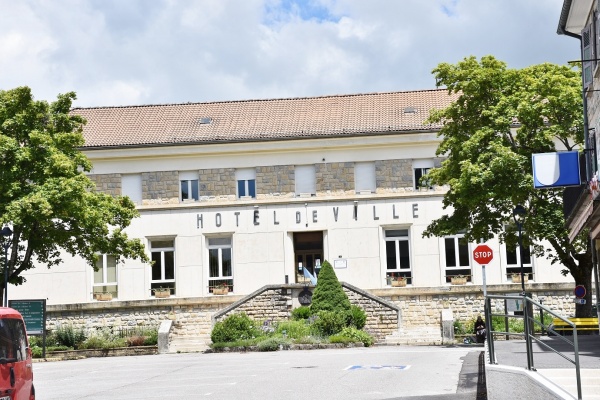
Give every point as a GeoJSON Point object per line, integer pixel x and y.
{"type": "Point", "coordinates": [251, 120]}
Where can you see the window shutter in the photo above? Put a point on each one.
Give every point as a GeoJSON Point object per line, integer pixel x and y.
{"type": "Point", "coordinates": [364, 177]}
{"type": "Point", "coordinates": [305, 177]}
{"type": "Point", "coordinates": [587, 53]}
{"type": "Point", "coordinates": [131, 186]}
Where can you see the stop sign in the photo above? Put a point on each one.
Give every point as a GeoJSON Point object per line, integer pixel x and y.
{"type": "Point", "coordinates": [483, 254]}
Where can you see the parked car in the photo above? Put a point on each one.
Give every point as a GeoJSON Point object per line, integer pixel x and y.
{"type": "Point", "coordinates": [16, 374]}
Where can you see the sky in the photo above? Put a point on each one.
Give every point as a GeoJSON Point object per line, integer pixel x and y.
{"type": "Point", "coordinates": [134, 52]}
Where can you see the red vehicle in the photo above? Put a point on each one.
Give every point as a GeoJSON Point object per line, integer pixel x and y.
{"type": "Point", "coordinates": [16, 374]}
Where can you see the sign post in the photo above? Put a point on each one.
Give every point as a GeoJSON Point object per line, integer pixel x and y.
{"type": "Point", "coordinates": [482, 255]}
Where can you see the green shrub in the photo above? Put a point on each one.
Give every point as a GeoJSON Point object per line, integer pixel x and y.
{"type": "Point", "coordinates": [357, 317]}
{"type": "Point", "coordinates": [235, 327]}
{"type": "Point", "coordinates": [238, 343]}
{"type": "Point", "coordinates": [100, 341]}
{"type": "Point", "coordinates": [302, 312]}
{"type": "Point", "coordinates": [293, 329]}
{"type": "Point", "coordinates": [329, 322]}
{"type": "Point", "coordinates": [69, 336]}
{"type": "Point", "coordinates": [151, 337]}
{"type": "Point", "coordinates": [271, 344]}
{"type": "Point", "coordinates": [329, 294]}
{"type": "Point", "coordinates": [352, 335]}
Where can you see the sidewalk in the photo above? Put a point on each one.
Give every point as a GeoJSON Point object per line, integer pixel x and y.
{"type": "Point", "coordinates": [554, 367]}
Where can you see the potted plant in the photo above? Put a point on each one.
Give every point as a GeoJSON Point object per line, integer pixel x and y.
{"type": "Point", "coordinates": [516, 277]}
{"type": "Point", "coordinates": [397, 280]}
{"type": "Point", "coordinates": [458, 279]}
{"type": "Point", "coordinates": [221, 289]}
{"type": "Point", "coordinates": [162, 292]}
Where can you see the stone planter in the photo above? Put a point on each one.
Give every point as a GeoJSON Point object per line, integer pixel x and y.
{"type": "Point", "coordinates": [458, 280]}
{"type": "Point", "coordinates": [162, 294]}
{"type": "Point", "coordinates": [398, 282]}
{"type": "Point", "coordinates": [220, 290]}
{"type": "Point", "coordinates": [516, 278]}
{"type": "Point", "coordinates": [103, 296]}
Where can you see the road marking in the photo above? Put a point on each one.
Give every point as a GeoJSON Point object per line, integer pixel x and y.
{"type": "Point", "coordinates": [377, 367]}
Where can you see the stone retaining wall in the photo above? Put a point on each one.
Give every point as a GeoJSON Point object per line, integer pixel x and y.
{"type": "Point", "coordinates": [389, 310]}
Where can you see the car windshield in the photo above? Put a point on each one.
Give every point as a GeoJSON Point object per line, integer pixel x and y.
{"type": "Point", "coordinates": [13, 340]}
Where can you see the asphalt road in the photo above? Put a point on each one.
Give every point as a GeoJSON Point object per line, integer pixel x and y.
{"type": "Point", "coordinates": [359, 373]}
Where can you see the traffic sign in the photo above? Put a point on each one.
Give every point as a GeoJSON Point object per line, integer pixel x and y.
{"type": "Point", "coordinates": [579, 291]}
{"type": "Point", "coordinates": [483, 254]}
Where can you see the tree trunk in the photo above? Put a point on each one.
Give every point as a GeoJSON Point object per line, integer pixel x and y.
{"type": "Point", "coordinates": [583, 276]}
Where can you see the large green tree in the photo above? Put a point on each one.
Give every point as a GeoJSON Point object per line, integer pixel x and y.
{"type": "Point", "coordinates": [499, 118]}
{"type": "Point", "coordinates": [46, 198]}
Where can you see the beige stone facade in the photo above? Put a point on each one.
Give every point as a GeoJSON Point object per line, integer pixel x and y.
{"type": "Point", "coordinates": [394, 174]}
{"type": "Point", "coordinates": [334, 178]}
{"type": "Point", "coordinates": [107, 183]}
{"type": "Point", "coordinates": [277, 180]}
{"type": "Point", "coordinates": [217, 182]}
{"type": "Point", "coordinates": [160, 187]}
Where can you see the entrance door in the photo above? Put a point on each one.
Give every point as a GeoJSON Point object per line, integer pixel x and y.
{"type": "Point", "coordinates": [308, 252]}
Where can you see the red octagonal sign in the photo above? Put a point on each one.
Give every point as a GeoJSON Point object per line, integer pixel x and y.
{"type": "Point", "coordinates": [483, 254]}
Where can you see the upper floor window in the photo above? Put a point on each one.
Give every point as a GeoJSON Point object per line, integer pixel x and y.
{"type": "Point", "coordinates": [246, 182]}
{"type": "Point", "coordinates": [131, 186]}
{"type": "Point", "coordinates": [364, 177]}
{"type": "Point", "coordinates": [306, 181]}
{"type": "Point", "coordinates": [421, 168]}
{"type": "Point", "coordinates": [163, 264]}
{"type": "Point", "coordinates": [188, 181]}
{"type": "Point", "coordinates": [105, 278]}
{"type": "Point", "coordinates": [456, 252]}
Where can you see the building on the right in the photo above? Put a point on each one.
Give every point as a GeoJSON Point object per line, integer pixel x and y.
{"type": "Point", "coordinates": [580, 19]}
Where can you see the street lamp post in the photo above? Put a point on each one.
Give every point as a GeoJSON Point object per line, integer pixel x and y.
{"type": "Point", "coordinates": [6, 233]}
{"type": "Point", "coordinates": [519, 215]}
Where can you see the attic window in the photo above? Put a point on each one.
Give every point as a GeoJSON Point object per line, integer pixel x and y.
{"type": "Point", "coordinates": [205, 120]}
{"type": "Point", "coordinates": [410, 110]}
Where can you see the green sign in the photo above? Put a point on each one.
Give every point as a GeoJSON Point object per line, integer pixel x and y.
{"type": "Point", "coordinates": [34, 314]}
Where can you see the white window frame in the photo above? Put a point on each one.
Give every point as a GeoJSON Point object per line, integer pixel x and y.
{"type": "Point", "coordinates": [305, 177]}
{"type": "Point", "coordinates": [458, 269]}
{"type": "Point", "coordinates": [190, 179]}
{"type": "Point", "coordinates": [365, 177]}
{"type": "Point", "coordinates": [131, 186]}
{"type": "Point", "coordinates": [245, 176]}
{"type": "Point", "coordinates": [220, 243]}
{"type": "Point", "coordinates": [400, 237]}
{"type": "Point", "coordinates": [102, 265]}
{"type": "Point", "coordinates": [528, 268]}
{"type": "Point", "coordinates": [421, 167]}
{"type": "Point", "coordinates": [163, 282]}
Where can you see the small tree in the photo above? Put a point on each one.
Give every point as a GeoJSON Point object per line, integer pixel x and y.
{"type": "Point", "coordinates": [329, 294]}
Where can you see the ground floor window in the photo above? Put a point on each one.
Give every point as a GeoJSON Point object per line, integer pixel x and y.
{"type": "Point", "coordinates": [105, 278]}
{"type": "Point", "coordinates": [513, 264]}
{"type": "Point", "coordinates": [163, 265]}
{"type": "Point", "coordinates": [456, 252]}
{"type": "Point", "coordinates": [220, 263]}
{"type": "Point", "coordinates": [397, 255]}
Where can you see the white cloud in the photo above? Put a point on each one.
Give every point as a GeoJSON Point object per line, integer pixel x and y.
{"type": "Point", "coordinates": [138, 52]}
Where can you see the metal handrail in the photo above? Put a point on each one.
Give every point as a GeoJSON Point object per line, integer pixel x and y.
{"type": "Point", "coordinates": [529, 322]}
